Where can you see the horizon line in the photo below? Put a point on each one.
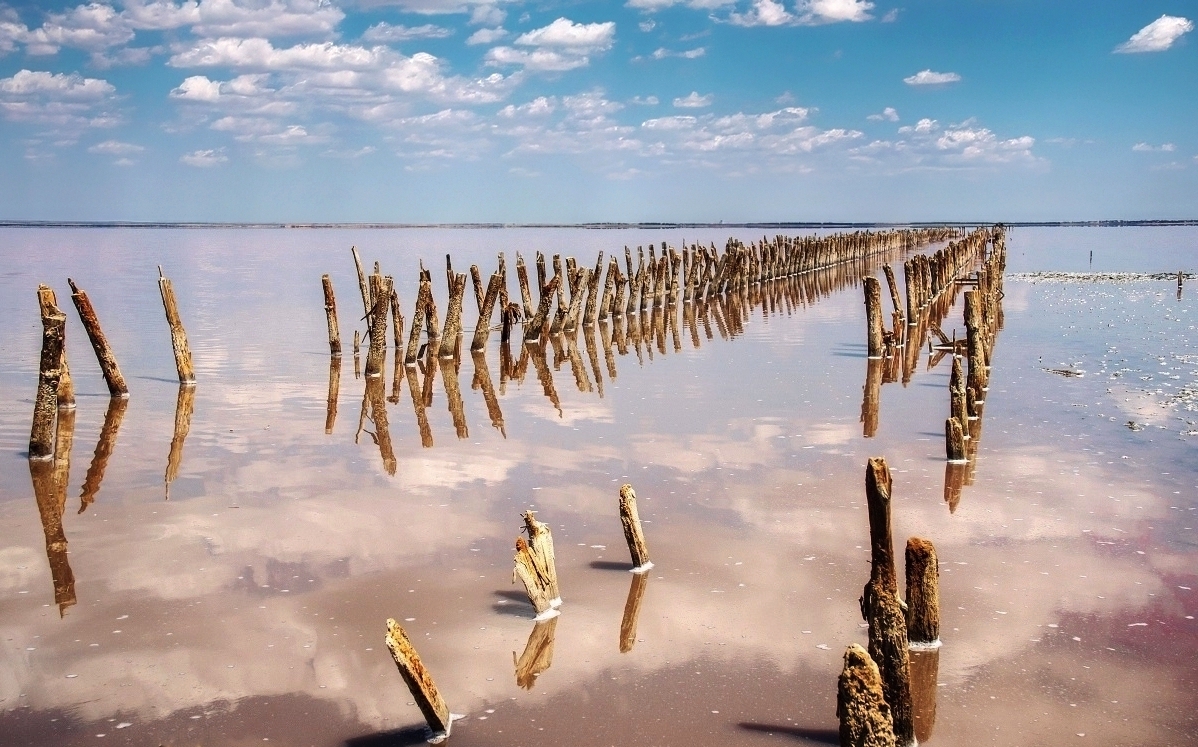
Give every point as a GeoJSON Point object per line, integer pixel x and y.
{"type": "Point", "coordinates": [594, 225]}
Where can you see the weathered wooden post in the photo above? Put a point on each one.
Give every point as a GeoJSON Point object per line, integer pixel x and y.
{"type": "Point", "coordinates": [367, 302]}
{"type": "Point", "coordinates": [540, 540]}
{"type": "Point", "coordinates": [419, 681]}
{"type": "Point", "coordinates": [66, 386]}
{"type": "Point", "coordinates": [178, 335]}
{"type": "Point", "coordinates": [483, 329]}
{"type": "Point", "coordinates": [537, 326]}
{"type": "Point", "coordinates": [396, 320]}
{"type": "Point", "coordinates": [91, 324]}
{"type": "Point", "coordinates": [865, 719]}
{"type": "Point", "coordinates": [923, 594]}
{"type": "Point", "coordinates": [423, 298]}
{"type": "Point", "coordinates": [873, 317]}
{"type": "Point", "coordinates": [522, 281]}
{"type": "Point", "coordinates": [330, 312]}
{"type": "Point", "coordinates": [45, 404]}
{"type": "Point", "coordinates": [380, 290]}
{"type": "Point", "coordinates": [527, 572]}
{"type": "Point", "coordinates": [633, 534]}
{"type": "Point", "coordinates": [453, 317]}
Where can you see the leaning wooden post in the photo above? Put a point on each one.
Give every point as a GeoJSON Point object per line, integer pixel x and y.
{"type": "Point", "coordinates": [923, 594]}
{"type": "Point", "coordinates": [178, 335]}
{"type": "Point", "coordinates": [632, 530]}
{"type": "Point", "coordinates": [45, 404]}
{"type": "Point", "coordinates": [525, 569]}
{"type": "Point", "coordinates": [873, 317]}
{"type": "Point", "coordinates": [483, 329]}
{"type": "Point", "coordinates": [418, 680]}
{"type": "Point", "coordinates": [66, 387]}
{"type": "Point", "coordinates": [367, 305]}
{"type": "Point", "coordinates": [522, 281]}
{"type": "Point", "coordinates": [894, 294]}
{"type": "Point", "coordinates": [537, 325]}
{"type": "Point", "coordinates": [453, 317]}
{"type": "Point", "coordinates": [330, 311]}
{"type": "Point", "coordinates": [865, 719]}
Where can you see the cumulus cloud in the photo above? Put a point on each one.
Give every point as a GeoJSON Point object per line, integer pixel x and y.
{"type": "Point", "coordinates": [834, 11]}
{"type": "Point", "coordinates": [693, 101]}
{"type": "Point", "coordinates": [645, 101]}
{"type": "Point", "coordinates": [929, 78]}
{"type": "Point", "coordinates": [889, 114]}
{"type": "Point", "coordinates": [562, 45]}
{"type": "Point", "coordinates": [928, 144]}
{"type": "Point", "coordinates": [1156, 36]}
{"type": "Point", "coordinates": [486, 36]}
{"type": "Point", "coordinates": [662, 53]}
{"type": "Point", "coordinates": [67, 102]}
{"type": "Point", "coordinates": [763, 13]}
{"type": "Point", "coordinates": [204, 159]}
{"type": "Point", "coordinates": [385, 33]}
{"type": "Point", "coordinates": [565, 34]}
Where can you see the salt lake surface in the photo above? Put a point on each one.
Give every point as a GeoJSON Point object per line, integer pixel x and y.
{"type": "Point", "coordinates": [249, 606]}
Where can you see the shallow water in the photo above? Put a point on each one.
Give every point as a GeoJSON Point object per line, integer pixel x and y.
{"type": "Point", "coordinates": [250, 606]}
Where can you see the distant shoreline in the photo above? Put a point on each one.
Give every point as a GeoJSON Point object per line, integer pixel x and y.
{"type": "Point", "coordinates": [590, 226]}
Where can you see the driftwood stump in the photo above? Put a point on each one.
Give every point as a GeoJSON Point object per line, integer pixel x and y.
{"type": "Point", "coordinates": [418, 680]}
{"type": "Point", "coordinates": [865, 719]}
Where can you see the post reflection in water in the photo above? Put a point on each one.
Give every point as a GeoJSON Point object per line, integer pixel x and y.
{"type": "Point", "coordinates": [414, 389]}
{"type": "Point", "coordinates": [538, 653]}
{"type": "Point", "coordinates": [482, 380]}
{"type": "Point", "coordinates": [50, 507]}
{"type": "Point", "coordinates": [924, 667]}
{"type": "Point", "coordinates": [330, 413]}
{"type": "Point", "coordinates": [536, 351]}
{"type": "Point", "coordinates": [577, 367]}
{"type": "Point", "coordinates": [632, 611]}
{"type": "Point", "coordinates": [588, 336]}
{"type": "Point", "coordinates": [453, 396]}
{"type": "Point", "coordinates": [870, 400]}
{"type": "Point", "coordinates": [184, 406]}
{"type": "Point", "coordinates": [64, 437]}
{"type": "Point", "coordinates": [104, 447]}
{"type": "Point", "coordinates": [374, 399]}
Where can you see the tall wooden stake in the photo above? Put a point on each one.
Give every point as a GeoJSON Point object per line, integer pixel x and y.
{"type": "Point", "coordinates": [419, 681]}
{"type": "Point", "coordinates": [632, 530]}
{"type": "Point", "coordinates": [178, 335]}
{"type": "Point", "coordinates": [330, 312]}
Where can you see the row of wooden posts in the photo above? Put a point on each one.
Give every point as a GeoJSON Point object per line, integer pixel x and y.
{"type": "Point", "coordinates": [697, 272]}
{"type": "Point", "coordinates": [535, 568]}
{"type": "Point", "coordinates": [727, 314]}
{"type": "Point", "coordinates": [886, 693]}
{"type": "Point", "coordinates": [55, 388]}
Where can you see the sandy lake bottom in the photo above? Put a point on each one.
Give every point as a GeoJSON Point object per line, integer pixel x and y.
{"type": "Point", "coordinates": [230, 586]}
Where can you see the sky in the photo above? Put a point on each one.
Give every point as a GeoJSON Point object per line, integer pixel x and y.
{"type": "Point", "coordinates": [445, 111]}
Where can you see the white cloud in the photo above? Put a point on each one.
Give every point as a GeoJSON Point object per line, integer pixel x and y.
{"type": "Point", "coordinates": [72, 87]}
{"type": "Point", "coordinates": [11, 30]}
{"type": "Point", "coordinates": [538, 107]}
{"type": "Point", "coordinates": [1157, 36]}
{"type": "Point", "coordinates": [647, 26]}
{"type": "Point", "coordinates": [115, 148]}
{"type": "Point", "coordinates": [649, 6]}
{"type": "Point", "coordinates": [486, 36]}
{"type": "Point", "coordinates": [91, 27]}
{"type": "Point", "coordinates": [565, 34]}
{"type": "Point", "coordinates": [645, 101]}
{"type": "Point", "coordinates": [929, 78]}
{"type": "Point", "coordinates": [1146, 148]}
{"type": "Point", "coordinates": [834, 11]}
{"type": "Point", "coordinates": [213, 18]}
{"type": "Point", "coordinates": [693, 101]}
{"type": "Point", "coordinates": [69, 103]}
{"type": "Point", "coordinates": [562, 45]}
{"type": "Point", "coordinates": [205, 158]}
{"type": "Point", "coordinates": [488, 15]}
{"type": "Point", "coordinates": [928, 145]}
{"type": "Point", "coordinates": [763, 13]}
{"type": "Point", "coordinates": [889, 114]}
{"type": "Point", "coordinates": [690, 54]}
{"type": "Point", "coordinates": [385, 33]}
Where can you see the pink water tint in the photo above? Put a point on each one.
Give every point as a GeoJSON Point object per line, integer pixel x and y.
{"type": "Point", "coordinates": [256, 596]}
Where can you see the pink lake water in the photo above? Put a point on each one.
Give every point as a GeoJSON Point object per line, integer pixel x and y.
{"type": "Point", "coordinates": [249, 607]}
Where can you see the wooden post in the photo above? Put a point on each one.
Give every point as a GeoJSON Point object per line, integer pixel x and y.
{"type": "Point", "coordinates": [865, 719]}
{"type": "Point", "coordinates": [330, 311]}
{"type": "Point", "coordinates": [419, 681]}
{"type": "Point", "coordinates": [178, 335]}
{"type": "Point", "coordinates": [873, 317]}
{"type": "Point", "coordinates": [537, 326]}
{"type": "Point", "coordinates": [453, 317]}
{"type": "Point", "coordinates": [45, 404]}
{"type": "Point", "coordinates": [974, 343]}
{"type": "Point", "coordinates": [522, 281]}
{"type": "Point", "coordinates": [923, 594]}
{"type": "Point", "coordinates": [596, 276]}
{"type": "Point", "coordinates": [609, 287]}
{"type": "Point", "coordinates": [396, 319]}
{"type": "Point", "coordinates": [423, 296]}
{"type": "Point", "coordinates": [888, 646]}
{"type": "Point", "coordinates": [632, 530]}
{"type": "Point", "coordinates": [894, 294]}
{"type": "Point", "coordinates": [380, 290]}
{"type": "Point", "coordinates": [878, 486]}
{"type": "Point", "coordinates": [367, 304]}
{"type": "Point", "coordinates": [483, 329]}
{"type": "Point", "coordinates": [66, 387]}
{"type": "Point", "coordinates": [527, 572]}
{"type": "Point", "coordinates": [540, 541]}
{"type": "Point", "coordinates": [477, 278]}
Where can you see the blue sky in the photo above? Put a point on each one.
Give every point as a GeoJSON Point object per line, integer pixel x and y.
{"type": "Point", "coordinates": [647, 110]}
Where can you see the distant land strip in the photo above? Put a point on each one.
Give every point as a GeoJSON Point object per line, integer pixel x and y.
{"type": "Point", "coordinates": [1095, 277]}
{"type": "Point", "coordinates": [836, 225]}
